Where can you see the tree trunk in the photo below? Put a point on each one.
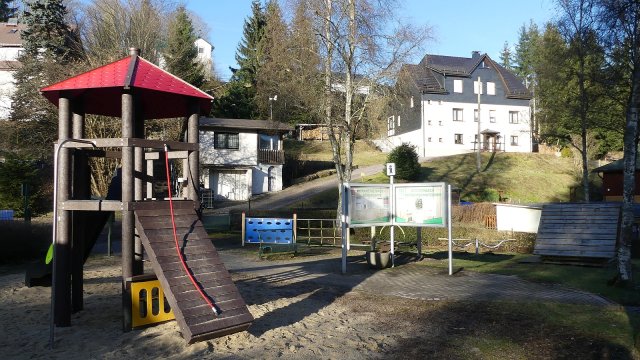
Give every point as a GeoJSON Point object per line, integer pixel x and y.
{"type": "Point", "coordinates": [630, 156]}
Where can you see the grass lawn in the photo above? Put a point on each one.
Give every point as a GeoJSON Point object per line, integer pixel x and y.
{"type": "Point", "coordinates": [363, 154]}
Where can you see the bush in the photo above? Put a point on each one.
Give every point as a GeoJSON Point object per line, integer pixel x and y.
{"type": "Point", "coordinates": [406, 159]}
{"type": "Point", "coordinates": [24, 241]}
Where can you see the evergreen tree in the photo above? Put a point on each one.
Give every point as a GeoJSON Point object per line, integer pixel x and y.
{"type": "Point", "coordinates": [239, 97]}
{"type": "Point", "coordinates": [46, 29]}
{"type": "Point", "coordinates": [526, 52]}
{"type": "Point", "coordinates": [272, 77]}
{"type": "Point", "coordinates": [7, 10]}
{"type": "Point", "coordinates": [250, 52]}
{"type": "Point", "coordinates": [181, 53]}
{"type": "Point", "coordinates": [505, 56]}
{"type": "Point", "coordinates": [49, 50]}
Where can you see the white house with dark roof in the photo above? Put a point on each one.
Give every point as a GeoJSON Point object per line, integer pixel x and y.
{"type": "Point", "coordinates": [10, 49]}
{"type": "Point", "coordinates": [241, 158]}
{"type": "Point", "coordinates": [438, 107]}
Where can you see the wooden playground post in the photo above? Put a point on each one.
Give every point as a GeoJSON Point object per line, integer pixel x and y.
{"type": "Point", "coordinates": [138, 132]}
{"type": "Point", "coordinates": [81, 191]}
{"type": "Point", "coordinates": [193, 178]}
{"type": "Point", "coordinates": [128, 225]}
{"type": "Point", "coordinates": [62, 307]}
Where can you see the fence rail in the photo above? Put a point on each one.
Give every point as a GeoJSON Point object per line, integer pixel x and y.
{"type": "Point", "coordinates": [324, 231]}
{"type": "Point", "coordinates": [267, 156]}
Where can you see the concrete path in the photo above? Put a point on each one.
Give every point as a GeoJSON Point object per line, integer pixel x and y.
{"type": "Point", "coordinates": [411, 280]}
{"type": "Point", "coordinates": [298, 192]}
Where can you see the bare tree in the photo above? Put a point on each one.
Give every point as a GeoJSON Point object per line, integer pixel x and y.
{"type": "Point", "coordinates": [111, 28]}
{"type": "Point", "coordinates": [360, 55]}
{"type": "Point", "coordinates": [577, 25]}
{"type": "Point", "coordinates": [621, 22]}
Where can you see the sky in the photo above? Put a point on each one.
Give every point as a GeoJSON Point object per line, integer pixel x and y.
{"type": "Point", "coordinates": [459, 26]}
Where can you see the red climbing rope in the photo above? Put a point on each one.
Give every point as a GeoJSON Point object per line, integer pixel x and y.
{"type": "Point", "coordinates": [175, 237]}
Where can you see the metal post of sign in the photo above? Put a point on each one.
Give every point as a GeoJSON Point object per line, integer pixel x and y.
{"type": "Point", "coordinates": [343, 218]}
{"type": "Point", "coordinates": [392, 227]}
{"type": "Point", "coordinates": [449, 229]}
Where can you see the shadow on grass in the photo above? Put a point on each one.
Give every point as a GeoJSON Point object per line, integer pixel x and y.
{"type": "Point", "coordinates": [463, 255]}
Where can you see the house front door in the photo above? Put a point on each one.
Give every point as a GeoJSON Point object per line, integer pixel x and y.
{"type": "Point", "coordinates": [229, 185]}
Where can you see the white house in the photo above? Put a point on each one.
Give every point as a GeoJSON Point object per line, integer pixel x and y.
{"type": "Point", "coordinates": [438, 108]}
{"type": "Point", "coordinates": [10, 49]}
{"type": "Point", "coordinates": [204, 56]}
{"type": "Point", "coordinates": [241, 158]}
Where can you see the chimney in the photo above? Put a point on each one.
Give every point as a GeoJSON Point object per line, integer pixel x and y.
{"type": "Point", "coordinates": [475, 54]}
{"type": "Point", "coordinates": [134, 51]}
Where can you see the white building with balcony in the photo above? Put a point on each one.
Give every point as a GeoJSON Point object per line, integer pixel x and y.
{"type": "Point", "coordinates": [438, 107]}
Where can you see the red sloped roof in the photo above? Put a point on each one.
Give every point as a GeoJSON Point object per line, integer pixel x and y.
{"type": "Point", "coordinates": [159, 94]}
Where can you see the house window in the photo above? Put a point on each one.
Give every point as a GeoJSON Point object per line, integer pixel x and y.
{"type": "Point", "coordinates": [200, 50]}
{"type": "Point", "coordinates": [457, 114]}
{"type": "Point", "coordinates": [390, 125]}
{"type": "Point", "coordinates": [428, 122]}
{"type": "Point", "coordinates": [428, 102]}
{"type": "Point", "coordinates": [514, 140]}
{"type": "Point", "coordinates": [411, 102]}
{"type": "Point", "coordinates": [475, 115]}
{"type": "Point", "coordinates": [492, 116]}
{"type": "Point", "coordinates": [477, 85]}
{"type": "Point", "coordinates": [491, 88]}
{"type": "Point", "coordinates": [269, 142]}
{"type": "Point", "coordinates": [457, 86]}
{"type": "Point", "coordinates": [429, 139]}
{"type": "Point", "coordinates": [458, 138]}
{"type": "Point", "coordinates": [440, 122]}
{"type": "Point", "coordinates": [513, 117]}
{"type": "Point", "coordinates": [439, 139]}
{"type": "Point", "coordinates": [224, 140]}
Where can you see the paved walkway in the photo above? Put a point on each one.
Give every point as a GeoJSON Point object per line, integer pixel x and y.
{"type": "Point", "coordinates": [411, 280]}
{"type": "Point", "coordinates": [298, 192]}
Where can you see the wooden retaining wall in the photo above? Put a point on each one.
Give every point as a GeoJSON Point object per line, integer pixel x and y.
{"type": "Point", "coordinates": [584, 230]}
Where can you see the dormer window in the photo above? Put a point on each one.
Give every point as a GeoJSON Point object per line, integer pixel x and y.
{"type": "Point", "coordinates": [457, 86]}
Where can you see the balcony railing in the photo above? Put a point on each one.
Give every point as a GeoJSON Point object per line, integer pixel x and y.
{"type": "Point", "coordinates": [266, 156]}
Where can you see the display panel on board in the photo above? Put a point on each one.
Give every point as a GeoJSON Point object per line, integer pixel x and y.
{"type": "Point", "coordinates": [420, 204]}
{"type": "Point", "coordinates": [369, 204]}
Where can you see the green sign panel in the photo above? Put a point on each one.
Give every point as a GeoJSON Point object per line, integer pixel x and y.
{"type": "Point", "coordinates": [420, 204]}
{"type": "Point", "coordinates": [369, 204]}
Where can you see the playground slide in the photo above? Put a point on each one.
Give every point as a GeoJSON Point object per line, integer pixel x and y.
{"type": "Point", "coordinates": [38, 273]}
{"type": "Point", "coordinates": [194, 311]}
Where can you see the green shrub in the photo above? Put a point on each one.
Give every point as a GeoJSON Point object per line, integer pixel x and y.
{"type": "Point", "coordinates": [22, 241]}
{"type": "Point", "coordinates": [566, 152]}
{"type": "Point", "coordinates": [406, 159]}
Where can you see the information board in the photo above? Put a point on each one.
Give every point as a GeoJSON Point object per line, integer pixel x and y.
{"type": "Point", "coordinates": [420, 204]}
{"type": "Point", "coordinates": [369, 204]}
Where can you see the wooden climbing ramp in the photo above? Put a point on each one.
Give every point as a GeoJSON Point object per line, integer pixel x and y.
{"type": "Point", "coordinates": [194, 316]}
{"type": "Point", "coordinates": [578, 230]}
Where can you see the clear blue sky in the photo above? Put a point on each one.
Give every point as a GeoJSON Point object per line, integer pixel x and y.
{"type": "Point", "coordinates": [460, 26]}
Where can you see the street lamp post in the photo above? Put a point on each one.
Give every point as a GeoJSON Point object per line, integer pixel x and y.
{"type": "Point", "coordinates": [478, 153]}
{"type": "Point", "coordinates": [271, 100]}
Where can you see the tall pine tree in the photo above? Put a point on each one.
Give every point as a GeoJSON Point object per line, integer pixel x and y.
{"type": "Point", "coordinates": [181, 52]}
{"type": "Point", "coordinates": [238, 100]}
{"type": "Point", "coordinates": [50, 48]}
{"type": "Point", "coordinates": [249, 54]}
{"type": "Point", "coordinates": [8, 9]}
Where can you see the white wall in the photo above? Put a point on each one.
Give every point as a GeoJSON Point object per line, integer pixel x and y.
{"type": "Point", "coordinates": [518, 218]}
{"type": "Point", "coordinates": [230, 184]}
{"type": "Point", "coordinates": [247, 154]}
{"type": "Point", "coordinates": [437, 138]}
{"type": "Point", "coordinates": [260, 183]}
{"type": "Point", "coordinates": [204, 56]}
{"type": "Point", "coordinates": [7, 87]}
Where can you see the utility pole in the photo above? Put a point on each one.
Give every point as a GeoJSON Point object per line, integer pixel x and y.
{"type": "Point", "coordinates": [271, 100]}
{"type": "Point", "coordinates": [478, 140]}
